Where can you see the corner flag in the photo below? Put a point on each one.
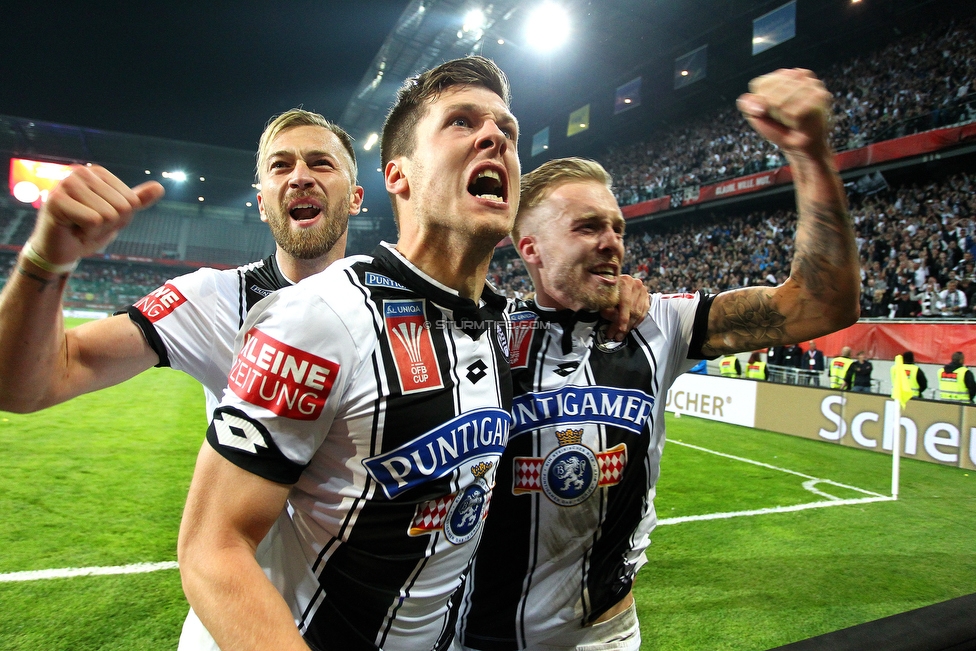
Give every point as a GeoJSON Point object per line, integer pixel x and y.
{"type": "Point", "coordinates": [901, 388]}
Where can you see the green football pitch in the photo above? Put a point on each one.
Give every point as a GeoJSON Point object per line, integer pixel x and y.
{"type": "Point", "coordinates": [764, 539]}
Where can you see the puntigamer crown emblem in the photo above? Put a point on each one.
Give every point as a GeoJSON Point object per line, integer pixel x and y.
{"type": "Point", "coordinates": [569, 437]}
{"type": "Point", "coordinates": [482, 468]}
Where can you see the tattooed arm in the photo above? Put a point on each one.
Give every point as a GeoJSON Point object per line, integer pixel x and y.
{"type": "Point", "coordinates": [790, 108]}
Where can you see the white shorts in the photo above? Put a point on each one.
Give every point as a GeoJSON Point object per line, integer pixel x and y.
{"type": "Point", "coordinates": [619, 633]}
{"type": "Point", "coordinates": [194, 636]}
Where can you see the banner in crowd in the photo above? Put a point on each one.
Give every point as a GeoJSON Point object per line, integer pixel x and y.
{"type": "Point", "coordinates": [913, 145]}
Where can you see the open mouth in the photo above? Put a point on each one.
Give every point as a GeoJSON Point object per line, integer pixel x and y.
{"type": "Point", "coordinates": [304, 210]}
{"type": "Point", "coordinates": [606, 271]}
{"type": "Point", "coordinates": [487, 184]}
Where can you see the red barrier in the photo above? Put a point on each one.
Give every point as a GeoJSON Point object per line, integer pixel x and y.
{"type": "Point", "coordinates": [913, 145]}
{"type": "Point", "coordinates": [932, 343]}
{"type": "Point", "coordinates": [646, 207]}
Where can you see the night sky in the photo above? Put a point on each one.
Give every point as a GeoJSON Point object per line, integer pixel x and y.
{"type": "Point", "coordinates": [206, 72]}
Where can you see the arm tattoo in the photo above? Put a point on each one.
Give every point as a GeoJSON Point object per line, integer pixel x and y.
{"type": "Point", "coordinates": [822, 246]}
{"type": "Point", "coordinates": [747, 321]}
{"type": "Point", "coordinates": [57, 281]}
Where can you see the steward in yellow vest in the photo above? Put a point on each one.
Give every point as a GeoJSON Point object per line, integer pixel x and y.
{"type": "Point", "coordinates": [839, 367]}
{"type": "Point", "coordinates": [756, 371]}
{"type": "Point", "coordinates": [730, 366]}
{"type": "Point", "coordinates": [956, 381]}
{"type": "Point", "coordinates": [916, 376]}
{"type": "Point", "coordinates": [912, 372]}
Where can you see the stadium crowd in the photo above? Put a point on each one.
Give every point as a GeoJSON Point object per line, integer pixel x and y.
{"type": "Point", "coordinates": [917, 243]}
{"type": "Point", "coordinates": [917, 246]}
{"type": "Point", "coordinates": [931, 86]}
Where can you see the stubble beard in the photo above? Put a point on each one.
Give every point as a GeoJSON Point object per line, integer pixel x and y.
{"type": "Point", "coordinates": [573, 287]}
{"type": "Point", "coordinates": [309, 243]}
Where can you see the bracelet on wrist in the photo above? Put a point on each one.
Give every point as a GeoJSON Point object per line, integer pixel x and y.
{"type": "Point", "coordinates": [38, 261]}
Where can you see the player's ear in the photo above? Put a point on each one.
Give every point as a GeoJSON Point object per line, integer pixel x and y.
{"type": "Point", "coordinates": [528, 248]}
{"type": "Point", "coordinates": [264, 216]}
{"type": "Point", "coordinates": [356, 200]}
{"type": "Point", "coordinates": [395, 176]}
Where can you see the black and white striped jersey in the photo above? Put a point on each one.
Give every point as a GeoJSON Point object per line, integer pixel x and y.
{"type": "Point", "coordinates": [192, 320]}
{"type": "Point", "coordinates": [573, 507]}
{"type": "Point", "coordinates": [385, 398]}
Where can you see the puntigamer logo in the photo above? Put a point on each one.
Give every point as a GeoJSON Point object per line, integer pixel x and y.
{"type": "Point", "coordinates": [474, 434]}
{"type": "Point", "coordinates": [628, 409]}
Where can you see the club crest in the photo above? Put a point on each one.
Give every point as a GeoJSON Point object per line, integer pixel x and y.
{"type": "Point", "coordinates": [460, 514]}
{"type": "Point", "coordinates": [605, 344]}
{"type": "Point", "coordinates": [571, 472]}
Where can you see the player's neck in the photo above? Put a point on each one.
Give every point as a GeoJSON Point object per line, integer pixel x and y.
{"type": "Point", "coordinates": [458, 263]}
{"type": "Point", "coordinates": [296, 269]}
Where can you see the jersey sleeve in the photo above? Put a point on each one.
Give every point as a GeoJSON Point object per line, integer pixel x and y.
{"type": "Point", "coordinates": [682, 320]}
{"type": "Point", "coordinates": [190, 322]}
{"type": "Point", "coordinates": [295, 358]}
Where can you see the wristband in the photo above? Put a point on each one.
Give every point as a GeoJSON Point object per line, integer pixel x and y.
{"type": "Point", "coordinates": [39, 262]}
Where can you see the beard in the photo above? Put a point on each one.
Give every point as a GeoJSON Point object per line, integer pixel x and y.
{"type": "Point", "coordinates": [573, 287]}
{"type": "Point", "coordinates": [592, 299]}
{"type": "Point", "coordinates": [309, 243]}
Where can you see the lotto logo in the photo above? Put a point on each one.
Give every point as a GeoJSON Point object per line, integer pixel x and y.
{"type": "Point", "coordinates": [284, 380]}
{"type": "Point", "coordinates": [160, 302]}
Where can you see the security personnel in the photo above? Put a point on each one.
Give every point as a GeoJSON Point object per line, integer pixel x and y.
{"type": "Point", "coordinates": [956, 382]}
{"type": "Point", "coordinates": [838, 368]}
{"type": "Point", "coordinates": [756, 370]}
{"type": "Point", "coordinates": [916, 376]}
{"type": "Point", "coordinates": [730, 366]}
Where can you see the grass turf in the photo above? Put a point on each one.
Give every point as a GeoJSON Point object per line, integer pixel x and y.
{"type": "Point", "coordinates": [760, 582]}
{"type": "Point", "coordinates": [100, 480]}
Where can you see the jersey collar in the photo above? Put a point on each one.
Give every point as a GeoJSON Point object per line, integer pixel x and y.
{"type": "Point", "coordinates": [472, 319]}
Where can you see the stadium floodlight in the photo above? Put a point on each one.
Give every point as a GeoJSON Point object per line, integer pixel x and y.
{"type": "Point", "coordinates": [474, 21]}
{"type": "Point", "coordinates": [27, 192]}
{"type": "Point", "coordinates": [547, 27]}
{"type": "Point", "coordinates": [370, 141]}
{"type": "Point", "coordinates": [179, 177]}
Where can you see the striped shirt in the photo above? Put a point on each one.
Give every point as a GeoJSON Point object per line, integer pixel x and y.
{"type": "Point", "coordinates": [573, 508]}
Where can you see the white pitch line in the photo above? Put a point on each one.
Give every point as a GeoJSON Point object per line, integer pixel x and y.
{"type": "Point", "coordinates": [68, 572]}
{"type": "Point", "coordinates": [139, 568]}
{"type": "Point", "coordinates": [775, 509]}
{"type": "Point", "coordinates": [772, 467]}
{"type": "Point", "coordinates": [807, 485]}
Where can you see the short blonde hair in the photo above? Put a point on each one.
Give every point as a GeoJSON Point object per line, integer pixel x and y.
{"type": "Point", "coordinates": [540, 183]}
{"type": "Point", "coordinates": [297, 117]}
